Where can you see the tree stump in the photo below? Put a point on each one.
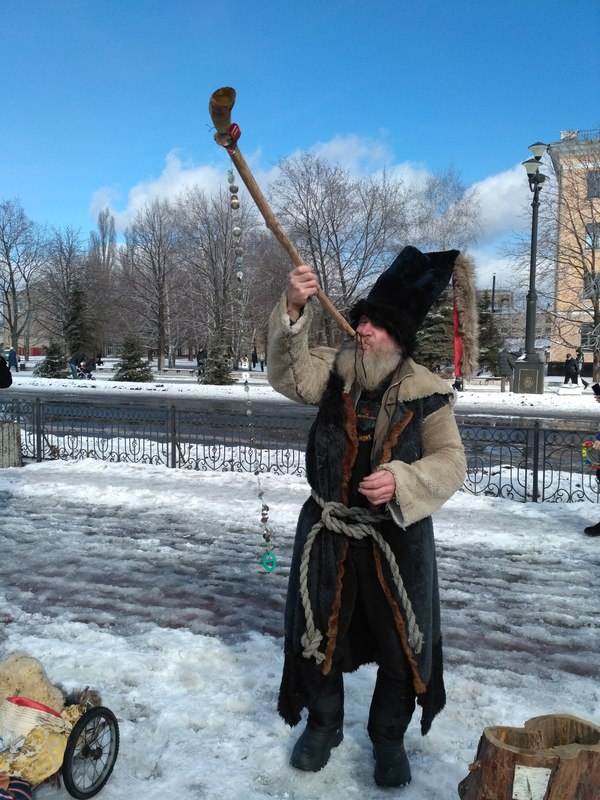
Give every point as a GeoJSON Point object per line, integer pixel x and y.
{"type": "Point", "coordinates": [10, 445]}
{"type": "Point", "coordinates": [554, 757]}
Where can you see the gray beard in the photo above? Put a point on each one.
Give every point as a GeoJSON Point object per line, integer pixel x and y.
{"type": "Point", "coordinates": [368, 369]}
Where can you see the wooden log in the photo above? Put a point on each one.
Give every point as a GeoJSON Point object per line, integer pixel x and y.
{"type": "Point", "coordinates": [553, 757]}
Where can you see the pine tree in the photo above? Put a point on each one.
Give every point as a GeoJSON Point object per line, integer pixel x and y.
{"type": "Point", "coordinates": [133, 366]}
{"type": "Point", "coordinates": [217, 371]}
{"type": "Point", "coordinates": [54, 364]}
{"type": "Point", "coordinates": [435, 339]}
{"type": "Point", "coordinates": [490, 341]}
{"type": "Point", "coordinates": [74, 326]}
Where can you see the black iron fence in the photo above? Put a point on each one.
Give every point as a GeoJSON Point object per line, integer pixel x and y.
{"type": "Point", "coordinates": [521, 458]}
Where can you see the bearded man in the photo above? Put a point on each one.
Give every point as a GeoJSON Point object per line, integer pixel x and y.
{"type": "Point", "coordinates": [383, 454]}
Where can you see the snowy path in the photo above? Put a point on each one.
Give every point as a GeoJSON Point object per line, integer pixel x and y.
{"type": "Point", "coordinates": [197, 571]}
{"type": "Point", "coordinates": [98, 564]}
{"type": "Point", "coordinates": [149, 587]}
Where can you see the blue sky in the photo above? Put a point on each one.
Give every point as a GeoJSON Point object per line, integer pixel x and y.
{"type": "Point", "coordinates": [105, 101]}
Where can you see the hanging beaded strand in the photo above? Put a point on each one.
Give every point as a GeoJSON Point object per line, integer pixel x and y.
{"type": "Point", "coordinates": [269, 560]}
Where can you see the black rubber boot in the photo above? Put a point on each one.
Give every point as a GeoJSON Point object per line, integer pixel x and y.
{"type": "Point", "coordinates": [391, 765]}
{"type": "Point", "coordinates": [390, 714]}
{"type": "Point", "coordinates": [592, 530]}
{"type": "Point", "coordinates": [312, 750]}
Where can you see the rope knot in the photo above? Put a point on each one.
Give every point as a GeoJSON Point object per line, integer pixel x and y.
{"type": "Point", "coordinates": [361, 523]}
{"type": "Point", "coordinates": [311, 643]}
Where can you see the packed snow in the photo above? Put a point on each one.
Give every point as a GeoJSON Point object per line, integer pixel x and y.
{"type": "Point", "coordinates": [147, 584]}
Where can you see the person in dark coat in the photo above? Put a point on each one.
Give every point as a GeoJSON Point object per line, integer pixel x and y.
{"type": "Point", "coordinates": [383, 454]}
{"type": "Point", "coordinates": [75, 362]}
{"type": "Point", "coordinates": [13, 361]}
{"type": "Point", "coordinates": [580, 361]}
{"type": "Point", "coordinates": [570, 370]}
{"type": "Point", "coordinates": [506, 368]}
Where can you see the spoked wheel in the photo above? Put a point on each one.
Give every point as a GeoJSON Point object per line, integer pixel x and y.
{"type": "Point", "coordinates": [91, 752]}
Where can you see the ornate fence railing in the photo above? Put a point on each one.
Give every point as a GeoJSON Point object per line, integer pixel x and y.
{"type": "Point", "coordinates": [520, 458]}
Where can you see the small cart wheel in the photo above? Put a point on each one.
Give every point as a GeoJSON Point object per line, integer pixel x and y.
{"type": "Point", "coordinates": [91, 752]}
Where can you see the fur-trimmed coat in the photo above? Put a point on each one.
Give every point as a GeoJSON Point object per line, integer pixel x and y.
{"type": "Point", "coordinates": [417, 440]}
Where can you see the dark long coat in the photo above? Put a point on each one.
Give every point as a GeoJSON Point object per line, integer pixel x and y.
{"type": "Point", "coordinates": [419, 443]}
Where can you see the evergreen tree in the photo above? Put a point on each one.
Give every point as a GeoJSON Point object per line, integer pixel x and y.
{"type": "Point", "coordinates": [74, 326]}
{"type": "Point", "coordinates": [133, 366]}
{"type": "Point", "coordinates": [435, 339]}
{"type": "Point", "coordinates": [217, 371]}
{"type": "Point", "coordinates": [490, 341]}
{"type": "Point", "coordinates": [54, 364]}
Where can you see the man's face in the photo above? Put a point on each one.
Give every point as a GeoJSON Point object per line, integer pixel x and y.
{"type": "Point", "coordinates": [373, 338]}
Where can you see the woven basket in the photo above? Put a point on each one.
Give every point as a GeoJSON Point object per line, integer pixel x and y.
{"type": "Point", "coordinates": [19, 716]}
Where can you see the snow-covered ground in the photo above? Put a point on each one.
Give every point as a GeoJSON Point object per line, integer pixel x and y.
{"type": "Point", "coordinates": [146, 583]}
{"type": "Point", "coordinates": [565, 400]}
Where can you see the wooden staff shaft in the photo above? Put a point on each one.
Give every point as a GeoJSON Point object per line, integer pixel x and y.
{"type": "Point", "coordinates": [220, 105]}
{"type": "Point", "coordinates": [274, 226]}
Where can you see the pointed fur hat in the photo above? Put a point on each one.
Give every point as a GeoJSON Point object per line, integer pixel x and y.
{"type": "Point", "coordinates": [402, 296]}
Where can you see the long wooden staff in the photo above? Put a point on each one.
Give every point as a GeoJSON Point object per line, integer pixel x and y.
{"type": "Point", "coordinates": [220, 105]}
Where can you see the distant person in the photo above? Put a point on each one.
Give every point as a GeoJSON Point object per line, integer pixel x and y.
{"type": "Point", "coordinates": [74, 363]}
{"type": "Point", "coordinates": [13, 361]}
{"type": "Point", "coordinates": [201, 361]}
{"type": "Point", "coordinates": [570, 370]}
{"type": "Point", "coordinates": [580, 361]}
{"type": "Point", "coordinates": [506, 368]}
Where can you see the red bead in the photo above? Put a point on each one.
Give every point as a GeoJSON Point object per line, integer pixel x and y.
{"type": "Point", "coordinates": [234, 131]}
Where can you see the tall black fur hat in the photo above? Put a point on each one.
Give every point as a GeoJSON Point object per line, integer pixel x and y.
{"type": "Point", "coordinates": [402, 296]}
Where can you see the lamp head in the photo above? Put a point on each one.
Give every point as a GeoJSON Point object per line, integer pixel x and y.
{"type": "Point", "coordinates": [535, 177]}
{"type": "Point", "coordinates": [538, 149]}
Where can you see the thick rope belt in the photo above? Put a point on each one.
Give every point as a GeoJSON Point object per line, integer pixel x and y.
{"type": "Point", "coordinates": [357, 523]}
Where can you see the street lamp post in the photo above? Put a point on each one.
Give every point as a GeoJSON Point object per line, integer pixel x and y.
{"type": "Point", "coordinates": [529, 372]}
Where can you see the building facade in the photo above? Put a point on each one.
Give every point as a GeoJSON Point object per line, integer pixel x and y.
{"type": "Point", "coordinates": [576, 162]}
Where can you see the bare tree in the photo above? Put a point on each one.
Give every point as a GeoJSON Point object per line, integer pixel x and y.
{"type": "Point", "coordinates": [219, 290]}
{"type": "Point", "coordinates": [101, 268]}
{"type": "Point", "coordinates": [62, 302]}
{"type": "Point", "coordinates": [21, 259]}
{"type": "Point", "coordinates": [151, 281]}
{"type": "Point", "coordinates": [345, 228]}
{"type": "Point", "coordinates": [266, 269]}
{"type": "Point", "coordinates": [349, 229]}
{"type": "Point", "coordinates": [443, 214]}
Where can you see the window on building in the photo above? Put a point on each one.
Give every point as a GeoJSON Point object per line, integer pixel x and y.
{"type": "Point", "coordinates": [591, 285]}
{"type": "Point", "coordinates": [588, 336]}
{"type": "Point", "coordinates": [594, 183]}
{"type": "Point", "coordinates": [592, 235]}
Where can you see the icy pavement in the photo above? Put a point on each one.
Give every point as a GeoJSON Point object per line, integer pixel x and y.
{"type": "Point", "coordinates": [147, 584]}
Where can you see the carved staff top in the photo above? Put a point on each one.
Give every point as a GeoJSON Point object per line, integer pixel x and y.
{"type": "Point", "coordinates": [227, 135]}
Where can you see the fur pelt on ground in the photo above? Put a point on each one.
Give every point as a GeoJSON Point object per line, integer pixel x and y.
{"type": "Point", "coordinates": [24, 676]}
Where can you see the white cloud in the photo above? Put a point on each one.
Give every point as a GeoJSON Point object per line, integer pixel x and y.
{"type": "Point", "coordinates": [503, 200]}
{"type": "Point", "coordinates": [174, 179]}
{"type": "Point", "coordinates": [488, 263]}
{"type": "Point", "coordinates": [358, 155]}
